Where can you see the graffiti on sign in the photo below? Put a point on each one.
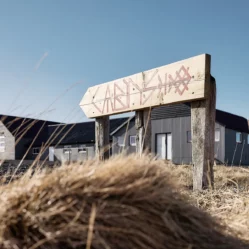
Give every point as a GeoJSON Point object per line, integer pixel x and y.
{"type": "Point", "coordinates": [151, 88]}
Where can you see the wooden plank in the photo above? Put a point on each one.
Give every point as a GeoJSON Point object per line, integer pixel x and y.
{"type": "Point", "coordinates": [147, 132]}
{"type": "Point", "coordinates": [143, 128]}
{"type": "Point", "coordinates": [178, 82]}
{"type": "Point", "coordinates": [139, 130]}
{"type": "Point", "coordinates": [102, 139]}
{"type": "Point", "coordinates": [203, 127]}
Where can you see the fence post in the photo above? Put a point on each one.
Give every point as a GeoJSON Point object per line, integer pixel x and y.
{"type": "Point", "coordinates": [203, 128]}
{"type": "Point", "coordinates": [143, 128]}
{"type": "Point", "coordinates": [102, 137]}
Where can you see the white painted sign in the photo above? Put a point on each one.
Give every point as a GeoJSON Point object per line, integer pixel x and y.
{"type": "Point", "coordinates": [178, 82]}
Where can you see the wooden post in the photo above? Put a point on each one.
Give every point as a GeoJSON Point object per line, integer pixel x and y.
{"type": "Point", "coordinates": [143, 128]}
{"type": "Point", "coordinates": [102, 133]}
{"type": "Point", "coordinates": [203, 127]}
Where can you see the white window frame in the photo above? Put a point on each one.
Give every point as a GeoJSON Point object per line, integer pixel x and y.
{"type": "Point", "coordinates": [239, 141]}
{"type": "Point", "coordinates": [82, 149]}
{"type": "Point", "coordinates": [67, 149]}
{"type": "Point", "coordinates": [121, 143]}
{"type": "Point", "coordinates": [34, 151]}
{"type": "Point", "coordinates": [189, 140]}
{"type": "Point", "coordinates": [217, 135]}
{"type": "Point", "coordinates": [132, 143]}
{"type": "Point", "coordinates": [2, 142]}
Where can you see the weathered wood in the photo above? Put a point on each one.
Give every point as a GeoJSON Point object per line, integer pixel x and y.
{"type": "Point", "coordinates": [143, 128]}
{"type": "Point", "coordinates": [102, 141]}
{"type": "Point", "coordinates": [147, 127]}
{"type": "Point", "coordinates": [203, 128]}
{"type": "Point", "coordinates": [139, 130]}
{"type": "Point", "coordinates": [178, 82]}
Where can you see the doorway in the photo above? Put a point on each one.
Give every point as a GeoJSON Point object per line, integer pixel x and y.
{"type": "Point", "coordinates": [164, 146]}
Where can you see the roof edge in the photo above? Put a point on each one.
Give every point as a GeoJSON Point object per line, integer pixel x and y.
{"type": "Point", "coordinates": [122, 125]}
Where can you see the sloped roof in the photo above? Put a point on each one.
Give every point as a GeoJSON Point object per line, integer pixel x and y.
{"type": "Point", "coordinates": [78, 133]}
{"type": "Point", "coordinates": [232, 121]}
{"type": "Point", "coordinates": [229, 120]}
{"type": "Point", "coordinates": [27, 128]}
{"type": "Point", "coordinates": [122, 125]}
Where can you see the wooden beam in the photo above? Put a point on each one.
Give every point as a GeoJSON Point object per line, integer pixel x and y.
{"type": "Point", "coordinates": [143, 128]}
{"type": "Point", "coordinates": [139, 130]}
{"type": "Point", "coordinates": [203, 127]}
{"type": "Point", "coordinates": [102, 138]}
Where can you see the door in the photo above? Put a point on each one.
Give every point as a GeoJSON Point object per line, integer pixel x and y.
{"type": "Point", "coordinates": [161, 146]}
{"type": "Point", "coordinates": [169, 146]}
{"type": "Point", "coordinates": [164, 146]}
{"type": "Point", "coordinates": [51, 154]}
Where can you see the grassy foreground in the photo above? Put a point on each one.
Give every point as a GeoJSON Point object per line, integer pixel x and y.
{"type": "Point", "coordinates": [125, 202]}
{"type": "Point", "coordinates": [229, 202]}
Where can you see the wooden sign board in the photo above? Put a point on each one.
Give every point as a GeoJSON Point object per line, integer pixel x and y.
{"type": "Point", "coordinates": [178, 82]}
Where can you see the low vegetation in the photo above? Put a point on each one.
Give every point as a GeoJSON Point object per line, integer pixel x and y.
{"type": "Point", "coordinates": [228, 202]}
{"type": "Point", "coordinates": [125, 202]}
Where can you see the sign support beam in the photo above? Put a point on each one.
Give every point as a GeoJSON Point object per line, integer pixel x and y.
{"type": "Point", "coordinates": [203, 136]}
{"type": "Point", "coordinates": [102, 139]}
{"type": "Point", "coordinates": [143, 129]}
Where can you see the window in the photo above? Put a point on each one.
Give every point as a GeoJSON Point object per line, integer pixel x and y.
{"type": "Point", "coordinates": [82, 149]}
{"type": "Point", "coordinates": [121, 141]}
{"type": "Point", "coordinates": [238, 137]}
{"type": "Point", "coordinates": [217, 135]}
{"type": "Point", "coordinates": [132, 140]}
{"type": "Point", "coordinates": [2, 142]}
{"type": "Point", "coordinates": [67, 149]}
{"type": "Point", "coordinates": [36, 151]}
{"type": "Point", "coordinates": [189, 137]}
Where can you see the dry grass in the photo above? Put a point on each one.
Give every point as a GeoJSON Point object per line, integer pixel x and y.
{"type": "Point", "coordinates": [123, 203]}
{"type": "Point", "coordinates": [229, 201]}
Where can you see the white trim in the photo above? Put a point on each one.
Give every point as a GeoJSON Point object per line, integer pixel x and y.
{"type": "Point", "coordinates": [217, 135]}
{"type": "Point", "coordinates": [82, 149]}
{"type": "Point", "coordinates": [189, 137]}
{"type": "Point", "coordinates": [122, 142]}
{"type": "Point", "coordinates": [240, 134]}
{"type": "Point", "coordinates": [134, 143]}
{"type": "Point", "coordinates": [67, 149]}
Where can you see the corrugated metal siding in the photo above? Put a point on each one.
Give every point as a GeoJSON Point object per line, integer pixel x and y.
{"type": "Point", "coordinates": [62, 157]}
{"type": "Point", "coordinates": [228, 120]}
{"type": "Point", "coordinates": [171, 111]}
{"type": "Point", "coordinates": [240, 152]}
{"type": "Point", "coordinates": [181, 150]}
{"type": "Point", "coordinates": [219, 147]}
{"type": "Point", "coordinates": [131, 131]}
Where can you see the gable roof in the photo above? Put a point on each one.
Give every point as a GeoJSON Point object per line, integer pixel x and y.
{"type": "Point", "coordinates": [232, 121]}
{"type": "Point", "coordinates": [28, 128]}
{"type": "Point", "coordinates": [78, 133]}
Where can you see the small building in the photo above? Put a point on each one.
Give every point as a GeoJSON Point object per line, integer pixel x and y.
{"type": "Point", "coordinates": [76, 142]}
{"type": "Point", "coordinates": [171, 136]}
{"type": "Point", "coordinates": [21, 138]}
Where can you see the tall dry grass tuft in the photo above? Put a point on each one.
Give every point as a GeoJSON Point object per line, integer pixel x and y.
{"type": "Point", "coordinates": [124, 202]}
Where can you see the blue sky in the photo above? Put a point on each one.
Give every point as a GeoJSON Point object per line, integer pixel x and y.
{"type": "Point", "coordinates": [51, 51]}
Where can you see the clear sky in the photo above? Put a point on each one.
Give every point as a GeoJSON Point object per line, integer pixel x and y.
{"type": "Point", "coordinates": [51, 51]}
